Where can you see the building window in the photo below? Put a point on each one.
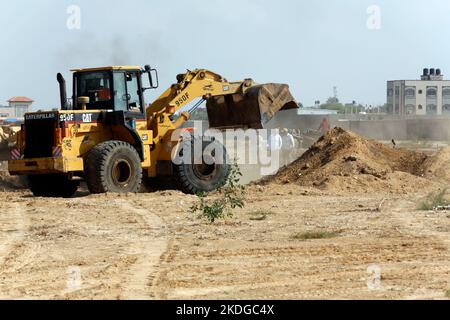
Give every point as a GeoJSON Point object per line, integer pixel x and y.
{"type": "Point", "coordinates": [420, 91]}
{"type": "Point", "coordinates": [446, 109]}
{"type": "Point", "coordinates": [432, 92]}
{"type": "Point", "coordinates": [20, 112]}
{"type": "Point", "coordinates": [410, 109]}
{"type": "Point", "coordinates": [446, 92]}
{"type": "Point", "coordinates": [420, 107]}
{"type": "Point", "coordinates": [390, 92]}
{"type": "Point", "coordinates": [410, 92]}
{"type": "Point", "coordinates": [397, 91]}
{"type": "Point", "coordinates": [431, 109]}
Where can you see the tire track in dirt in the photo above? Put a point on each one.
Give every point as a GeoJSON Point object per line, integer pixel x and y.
{"type": "Point", "coordinates": [139, 284]}
{"type": "Point", "coordinates": [13, 225]}
{"type": "Point", "coordinates": [161, 292]}
{"type": "Point", "coordinates": [302, 274]}
{"type": "Point", "coordinates": [290, 270]}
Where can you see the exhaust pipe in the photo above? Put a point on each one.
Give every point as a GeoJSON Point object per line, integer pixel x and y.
{"type": "Point", "coordinates": [62, 91]}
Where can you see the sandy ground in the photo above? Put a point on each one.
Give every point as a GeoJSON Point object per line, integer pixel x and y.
{"type": "Point", "coordinates": [148, 246]}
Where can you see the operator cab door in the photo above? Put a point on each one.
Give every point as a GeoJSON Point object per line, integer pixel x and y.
{"type": "Point", "coordinates": [128, 94]}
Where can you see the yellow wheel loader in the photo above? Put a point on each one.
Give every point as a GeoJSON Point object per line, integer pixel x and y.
{"type": "Point", "coordinates": [111, 139]}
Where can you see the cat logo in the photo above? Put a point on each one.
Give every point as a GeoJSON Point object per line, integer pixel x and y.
{"type": "Point", "coordinates": [87, 117]}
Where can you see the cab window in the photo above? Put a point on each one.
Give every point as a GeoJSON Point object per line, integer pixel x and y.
{"type": "Point", "coordinates": [127, 96]}
{"type": "Point", "coordinates": [134, 97]}
{"type": "Point", "coordinates": [96, 86]}
{"type": "Point", "coordinates": [120, 92]}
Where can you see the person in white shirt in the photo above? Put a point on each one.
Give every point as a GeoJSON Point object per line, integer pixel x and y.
{"type": "Point", "coordinates": [275, 141]}
{"type": "Point", "coordinates": [288, 145]}
{"type": "Point", "coordinates": [288, 141]}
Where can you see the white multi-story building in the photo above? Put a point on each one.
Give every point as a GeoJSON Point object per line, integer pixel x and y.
{"type": "Point", "coordinates": [17, 107]}
{"type": "Point", "coordinates": [428, 96]}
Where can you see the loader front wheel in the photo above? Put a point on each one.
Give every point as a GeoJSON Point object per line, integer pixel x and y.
{"type": "Point", "coordinates": [113, 166]}
{"type": "Point", "coordinates": [52, 185]}
{"type": "Point", "coordinates": [201, 175]}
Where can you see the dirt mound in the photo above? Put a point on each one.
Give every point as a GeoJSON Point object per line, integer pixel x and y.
{"type": "Point", "coordinates": [437, 166]}
{"type": "Point", "coordinates": [342, 160]}
{"type": "Point", "coordinates": [10, 183]}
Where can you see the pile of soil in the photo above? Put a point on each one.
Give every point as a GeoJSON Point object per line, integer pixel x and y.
{"type": "Point", "coordinates": [344, 161]}
{"type": "Point", "coordinates": [437, 166]}
{"type": "Point", "coordinates": [11, 183]}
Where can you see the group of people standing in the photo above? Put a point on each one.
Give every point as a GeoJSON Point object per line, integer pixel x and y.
{"type": "Point", "coordinates": [285, 139]}
{"type": "Point", "coordinates": [289, 142]}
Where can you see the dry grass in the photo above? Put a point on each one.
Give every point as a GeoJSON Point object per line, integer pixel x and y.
{"type": "Point", "coordinates": [310, 235]}
{"type": "Point", "coordinates": [434, 200]}
{"type": "Point", "coordinates": [260, 215]}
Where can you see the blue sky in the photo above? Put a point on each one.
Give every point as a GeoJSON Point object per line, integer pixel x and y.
{"type": "Point", "coordinates": [311, 45]}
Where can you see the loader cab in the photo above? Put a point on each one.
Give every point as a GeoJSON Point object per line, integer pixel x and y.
{"type": "Point", "coordinates": [111, 88]}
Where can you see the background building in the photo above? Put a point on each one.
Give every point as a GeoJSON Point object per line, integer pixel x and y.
{"type": "Point", "coordinates": [5, 112]}
{"type": "Point", "coordinates": [428, 96]}
{"type": "Point", "coordinates": [16, 108]}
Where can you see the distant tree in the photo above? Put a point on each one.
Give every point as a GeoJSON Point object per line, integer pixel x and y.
{"type": "Point", "coordinates": [344, 109]}
{"type": "Point", "coordinates": [332, 100]}
{"type": "Point", "coordinates": [339, 107]}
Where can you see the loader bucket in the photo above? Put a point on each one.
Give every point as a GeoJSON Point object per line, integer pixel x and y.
{"type": "Point", "coordinates": [253, 109]}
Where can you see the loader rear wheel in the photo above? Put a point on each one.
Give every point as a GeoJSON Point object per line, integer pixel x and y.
{"type": "Point", "coordinates": [113, 166]}
{"type": "Point", "coordinates": [52, 185]}
{"type": "Point", "coordinates": [193, 177]}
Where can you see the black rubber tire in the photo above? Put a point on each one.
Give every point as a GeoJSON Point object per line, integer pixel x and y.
{"type": "Point", "coordinates": [113, 166]}
{"type": "Point", "coordinates": [52, 185]}
{"type": "Point", "coordinates": [194, 178]}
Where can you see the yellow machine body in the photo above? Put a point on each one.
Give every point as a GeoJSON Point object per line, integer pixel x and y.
{"type": "Point", "coordinates": [58, 141]}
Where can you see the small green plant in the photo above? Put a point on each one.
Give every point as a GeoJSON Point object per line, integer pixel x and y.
{"type": "Point", "coordinates": [309, 235]}
{"type": "Point", "coordinates": [434, 200]}
{"type": "Point", "coordinates": [447, 293]}
{"type": "Point", "coordinates": [260, 215]}
{"type": "Point", "coordinates": [222, 204]}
